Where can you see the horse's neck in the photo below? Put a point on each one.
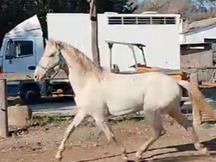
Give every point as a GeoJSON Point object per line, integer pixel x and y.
{"type": "Point", "coordinates": [75, 73]}
{"type": "Point", "coordinates": [77, 80]}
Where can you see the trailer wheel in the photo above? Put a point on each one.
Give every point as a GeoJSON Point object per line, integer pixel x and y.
{"type": "Point", "coordinates": [30, 95]}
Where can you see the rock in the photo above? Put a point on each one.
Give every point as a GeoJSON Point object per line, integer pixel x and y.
{"type": "Point", "coordinates": [96, 145]}
{"type": "Point", "coordinates": [19, 115]}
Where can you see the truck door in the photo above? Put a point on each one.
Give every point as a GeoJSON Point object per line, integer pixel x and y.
{"type": "Point", "coordinates": [19, 57]}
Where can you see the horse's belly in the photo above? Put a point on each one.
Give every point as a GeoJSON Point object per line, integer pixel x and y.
{"type": "Point", "coordinates": [120, 107]}
{"type": "Point", "coordinates": [124, 111]}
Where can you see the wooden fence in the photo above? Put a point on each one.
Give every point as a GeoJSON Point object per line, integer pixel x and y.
{"type": "Point", "coordinates": [3, 109]}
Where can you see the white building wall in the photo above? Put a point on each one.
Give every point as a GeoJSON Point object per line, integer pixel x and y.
{"type": "Point", "coordinates": [198, 36]}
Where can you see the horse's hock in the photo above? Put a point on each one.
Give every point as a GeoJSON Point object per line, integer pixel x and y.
{"type": "Point", "coordinates": [19, 115]}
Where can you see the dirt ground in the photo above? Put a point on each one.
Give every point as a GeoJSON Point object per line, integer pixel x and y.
{"type": "Point", "coordinates": [88, 143]}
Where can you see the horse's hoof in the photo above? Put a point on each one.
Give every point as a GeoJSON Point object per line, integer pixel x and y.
{"type": "Point", "coordinates": [204, 151]}
{"type": "Point", "coordinates": [125, 159]}
{"type": "Point", "coordinates": [59, 157]}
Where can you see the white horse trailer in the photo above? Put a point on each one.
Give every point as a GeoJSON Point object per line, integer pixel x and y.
{"type": "Point", "coordinates": [159, 32]}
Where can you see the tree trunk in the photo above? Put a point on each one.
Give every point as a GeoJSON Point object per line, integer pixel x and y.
{"type": "Point", "coordinates": [94, 32]}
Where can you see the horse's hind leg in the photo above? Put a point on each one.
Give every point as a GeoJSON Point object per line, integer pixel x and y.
{"type": "Point", "coordinates": [182, 120]}
{"type": "Point", "coordinates": [76, 121]}
{"type": "Point", "coordinates": [155, 120]}
{"type": "Point", "coordinates": [102, 122]}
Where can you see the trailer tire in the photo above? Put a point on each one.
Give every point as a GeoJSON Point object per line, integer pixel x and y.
{"type": "Point", "coordinates": [30, 95]}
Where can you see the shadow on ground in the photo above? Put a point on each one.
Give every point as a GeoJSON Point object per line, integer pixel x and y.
{"type": "Point", "coordinates": [211, 145]}
{"type": "Point", "coordinates": [59, 99]}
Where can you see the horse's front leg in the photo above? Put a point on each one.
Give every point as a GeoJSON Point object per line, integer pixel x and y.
{"type": "Point", "coordinates": [76, 121]}
{"type": "Point", "coordinates": [103, 124]}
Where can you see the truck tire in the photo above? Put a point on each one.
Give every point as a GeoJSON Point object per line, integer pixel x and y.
{"type": "Point", "coordinates": [30, 95]}
{"type": "Point", "coordinates": [182, 103]}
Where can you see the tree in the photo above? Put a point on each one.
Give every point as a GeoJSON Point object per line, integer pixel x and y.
{"type": "Point", "coordinates": [191, 10]}
{"type": "Point", "coordinates": [15, 11]}
{"type": "Point", "coordinates": [94, 32]}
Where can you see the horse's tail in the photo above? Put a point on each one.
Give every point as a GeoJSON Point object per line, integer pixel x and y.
{"type": "Point", "coordinates": [198, 100]}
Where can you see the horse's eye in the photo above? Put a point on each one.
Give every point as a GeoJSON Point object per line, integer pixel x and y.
{"type": "Point", "coordinates": [52, 55]}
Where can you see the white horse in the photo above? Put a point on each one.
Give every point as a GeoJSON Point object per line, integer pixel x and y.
{"type": "Point", "coordinates": [101, 93]}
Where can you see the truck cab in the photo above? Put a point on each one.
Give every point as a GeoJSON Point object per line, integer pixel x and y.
{"type": "Point", "coordinates": [20, 52]}
{"type": "Point", "coordinates": [22, 47]}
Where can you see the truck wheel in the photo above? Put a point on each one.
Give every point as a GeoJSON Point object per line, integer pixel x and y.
{"type": "Point", "coordinates": [182, 103]}
{"type": "Point", "coordinates": [30, 95]}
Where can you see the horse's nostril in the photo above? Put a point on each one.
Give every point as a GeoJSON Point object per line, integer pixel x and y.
{"type": "Point", "coordinates": [35, 77]}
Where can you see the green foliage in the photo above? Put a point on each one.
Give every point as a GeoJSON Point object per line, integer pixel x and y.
{"type": "Point", "coordinates": [111, 5]}
{"type": "Point", "coordinates": [15, 11]}
{"type": "Point", "coordinates": [12, 12]}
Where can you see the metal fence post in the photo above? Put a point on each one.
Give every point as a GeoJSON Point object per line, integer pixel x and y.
{"type": "Point", "coordinates": [3, 109]}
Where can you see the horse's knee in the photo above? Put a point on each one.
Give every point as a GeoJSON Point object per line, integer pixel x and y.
{"type": "Point", "coordinates": [163, 132]}
{"type": "Point", "coordinates": [158, 133]}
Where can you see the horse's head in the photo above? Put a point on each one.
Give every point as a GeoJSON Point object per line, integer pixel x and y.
{"type": "Point", "coordinates": [50, 63]}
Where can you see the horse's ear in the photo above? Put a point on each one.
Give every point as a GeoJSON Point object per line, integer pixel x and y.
{"type": "Point", "coordinates": [58, 44]}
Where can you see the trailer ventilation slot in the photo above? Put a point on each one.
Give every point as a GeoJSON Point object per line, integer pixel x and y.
{"type": "Point", "coordinates": [132, 20]}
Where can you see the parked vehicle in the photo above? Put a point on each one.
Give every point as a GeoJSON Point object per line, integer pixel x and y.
{"type": "Point", "coordinates": [21, 50]}
{"type": "Point", "coordinates": [139, 65]}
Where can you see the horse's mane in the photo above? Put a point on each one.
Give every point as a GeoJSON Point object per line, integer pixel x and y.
{"type": "Point", "coordinates": [84, 62]}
